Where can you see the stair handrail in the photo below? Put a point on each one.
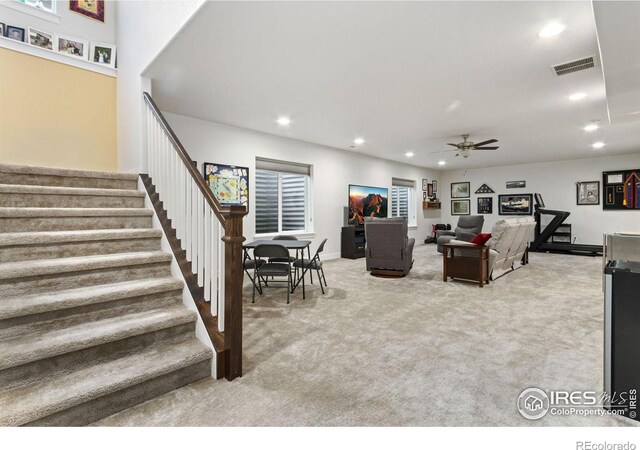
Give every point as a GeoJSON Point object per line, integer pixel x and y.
{"type": "Point", "coordinates": [230, 218]}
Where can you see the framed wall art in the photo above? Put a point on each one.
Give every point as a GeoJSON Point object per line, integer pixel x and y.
{"type": "Point", "coordinates": [460, 207]}
{"type": "Point", "coordinates": [70, 46]}
{"type": "Point", "coordinates": [435, 186]}
{"type": "Point", "coordinates": [515, 204]}
{"type": "Point", "coordinates": [621, 189]}
{"type": "Point", "coordinates": [424, 184]}
{"type": "Point", "coordinates": [90, 8]}
{"type": "Point", "coordinates": [516, 184]}
{"type": "Point", "coordinates": [588, 193]}
{"type": "Point", "coordinates": [460, 190]}
{"type": "Point", "coordinates": [229, 184]}
{"type": "Point", "coordinates": [430, 190]}
{"type": "Point", "coordinates": [485, 205]}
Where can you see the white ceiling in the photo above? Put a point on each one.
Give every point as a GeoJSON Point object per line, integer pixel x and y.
{"type": "Point", "coordinates": [393, 73]}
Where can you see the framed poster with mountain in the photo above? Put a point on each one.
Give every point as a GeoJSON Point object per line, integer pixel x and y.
{"type": "Point", "coordinates": [515, 204]}
{"type": "Point", "coordinates": [229, 184]}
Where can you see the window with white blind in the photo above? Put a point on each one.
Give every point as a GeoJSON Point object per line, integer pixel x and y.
{"type": "Point", "coordinates": [403, 200]}
{"type": "Point", "coordinates": [282, 197]}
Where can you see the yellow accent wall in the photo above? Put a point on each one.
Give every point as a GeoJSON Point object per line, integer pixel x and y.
{"type": "Point", "coordinates": [56, 115]}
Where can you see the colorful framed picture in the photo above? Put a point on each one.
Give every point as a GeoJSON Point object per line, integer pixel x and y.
{"type": "Point", "coordinates": [104, 54]}
{"type": "Point", "coordinates": [15, 33]}
{"type": "Point", "coordinates": [40, 39]}
{"type": "Point", "coordinates": [515, 204]}
{"type": "Point", "coordinates": [70, 46]}
{"type": "Point", "coordinates": [588, 193]}
{"type": "Point", "coordinates": [2, 28]}
{"type": "Point", "coordinates": [430, 190]}
{"type": "Point", "coordinates": [461, 190]}
{"type": "Point", "coordinates": [485, 205]}
{"type": "Point", "coordinates": [460, 207]}
{"type": "Point", "coordinates": [90, 8]}
{"type": "Point", "coordinates": [229, 184]}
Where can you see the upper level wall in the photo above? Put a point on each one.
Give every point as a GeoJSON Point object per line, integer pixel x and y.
{"type": "Point", "coordinates": [64, 21]}
{"type": "Point", "coordinates": [55, 115]}
{"type": "Point", "coordinates": [143, 29]}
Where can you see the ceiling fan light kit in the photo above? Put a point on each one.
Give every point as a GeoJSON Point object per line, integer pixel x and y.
{"type": "Point", "coordinates": [465, 147]}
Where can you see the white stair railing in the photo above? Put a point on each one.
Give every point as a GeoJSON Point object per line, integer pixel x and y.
{"type": "Point", "coordinates": [211, 235]}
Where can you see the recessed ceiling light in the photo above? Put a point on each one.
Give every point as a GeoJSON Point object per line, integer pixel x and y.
{"type": "Point", "coordinates": [598, 144]}
{"type": "Point", "coordinates": [409, 154]}
{"type": "Point", "coordinates": [441, 163]}
{"type": "Point", "coordinates": [577, 96]}
{"type": "Point", "coordinates": [591, 127]}
{"type": "Point", "coordinates": [284, 121]}
{"type": "Point", "coordinates": [358, 141]}
{"type": "Point", "coordinates": [553, 29]}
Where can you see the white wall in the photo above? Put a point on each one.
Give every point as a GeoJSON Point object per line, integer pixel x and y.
{"type": "Point", "coordinates": [143, 29]}
{"type": "Point", "coordinates": [556, 181]}
{"type": "Point", "coordinates": [333, 171]}
{"type": "Point", "coordinates": [64, 21]}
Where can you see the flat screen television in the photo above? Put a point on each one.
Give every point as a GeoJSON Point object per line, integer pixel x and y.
{"type": "Point", "coordinates": [366, 201]}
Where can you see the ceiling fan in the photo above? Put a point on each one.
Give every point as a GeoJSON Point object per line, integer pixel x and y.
{"type": "Point", "coordinates": [465, 147]}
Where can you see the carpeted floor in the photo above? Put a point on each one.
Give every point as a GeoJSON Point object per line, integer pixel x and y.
{"type": "Point", "coordinates": [412, 351]}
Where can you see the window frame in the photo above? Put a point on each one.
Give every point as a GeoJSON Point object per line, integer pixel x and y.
{"type": "Point", "coordinates": [412, 207]}
{"type": "Point", "coordinates": [34, 4]}
{"type": "Point", "coordinates": [308, 205]}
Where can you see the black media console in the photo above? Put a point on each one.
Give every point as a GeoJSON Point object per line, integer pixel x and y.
{"type": "Point", "coordinates": [353, 242]}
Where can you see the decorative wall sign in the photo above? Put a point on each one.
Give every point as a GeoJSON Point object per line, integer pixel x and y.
{"type": "Point", "coordinates": [89, 8]}
{"type": "Point", "coordinates": [485, 205]}
{"type": "Point", "coordinates": [460, 190]}
{"type": "Point", "coordinates": [484, 189]}
{"type": "Point", "coordinates": [430, 190]}
{"type": "Point", "coordinates": [588, 193]}
{"type": "Point", "coordinates": [515, 204]}
{"type": "Point", "coordinates": [424, 184]}
{"type": "Point", "coordinates": [621, 189]}
{"type": "Point", "coordinates": [516, 184]}
{"type": "Point", "coordinates": [435, 186]}
{"type": "Point", "coordinates": [460, 207]}
{"type": "Point", "coordinates": [229, 184]}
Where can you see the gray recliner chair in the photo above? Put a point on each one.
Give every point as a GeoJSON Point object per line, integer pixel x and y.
{"type": "Point", "coordinates": [389, 251]}
{"type": "Point", "coordinates": [467, 228]}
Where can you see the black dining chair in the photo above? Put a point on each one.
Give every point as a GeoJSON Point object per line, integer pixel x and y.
{"type": "Point", "coordinates": [291, 259]}
{"type": "Point", "coordinates": [271, 269]}
{"type": "Point", "coordinates": [311, 264]}
{"type": "Point", "coordinates": [249, 266]}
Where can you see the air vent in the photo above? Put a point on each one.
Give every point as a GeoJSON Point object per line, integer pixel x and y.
{"type": "Point", "coordinates": [575, 66]}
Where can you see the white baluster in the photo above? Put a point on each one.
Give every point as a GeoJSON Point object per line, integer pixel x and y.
{"type": "Point", "coordinates": [213, 260]}
{"type": "Point", "coordinates": [187, 216]}
{"type": "Point", "coordinates": [221, 286]}
{"type": "Point", "coordinates": [207, 250]}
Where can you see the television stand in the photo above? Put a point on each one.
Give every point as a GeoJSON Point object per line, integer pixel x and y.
{"type": "Point", "coordinates": [352, 243]}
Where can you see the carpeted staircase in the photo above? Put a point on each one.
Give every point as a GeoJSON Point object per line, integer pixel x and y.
{"type": "Point", "coordinates": [91, 320]}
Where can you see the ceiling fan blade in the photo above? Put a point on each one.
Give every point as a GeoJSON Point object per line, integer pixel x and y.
{"type": "Point", "coordinates": [490, 141]}
{"type": "Point", "coordinates": [454, 145]}
{"type": "Point", "coordinates": [486, 148]}
{"type": "Point", "coordinates": [442, 151]}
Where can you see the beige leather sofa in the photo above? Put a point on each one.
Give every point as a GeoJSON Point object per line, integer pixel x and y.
{"type": "Point", "coordinates": [510, 238]}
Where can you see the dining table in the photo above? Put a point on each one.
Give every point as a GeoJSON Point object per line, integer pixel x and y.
{"type": "Point", "coordinates": [290, 244]}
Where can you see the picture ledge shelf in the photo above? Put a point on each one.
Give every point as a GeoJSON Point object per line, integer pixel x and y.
{"type": "Point", "coordinates": [23, 47]}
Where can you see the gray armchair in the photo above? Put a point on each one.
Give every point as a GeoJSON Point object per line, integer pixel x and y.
{"type": "Point", "coordinates": [467, 228]}
{"type": "Point", "coordinates": [389, 251]}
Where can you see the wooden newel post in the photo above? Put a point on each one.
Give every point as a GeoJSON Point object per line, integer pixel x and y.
{"type": "Point", "coordinates": [233, 278]}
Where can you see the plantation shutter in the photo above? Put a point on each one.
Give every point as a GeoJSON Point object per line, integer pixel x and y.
{"type": "Point", "coordinates": [400, 197]}
{"type": "Point", "coordinates": [266, 202]}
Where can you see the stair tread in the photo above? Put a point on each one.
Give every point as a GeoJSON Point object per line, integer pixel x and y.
{"type": "Point", "coordinates": [49, 237]}
{"type": "Point", "coordinates": [41, 399]}
{"type": "Point", "coordinates": [73, 212]}
{"type": "Point", "coordinates": [76, 173]}
{"type": "Point", "coordinates": [79, 263]}
{"type": "Point", "coordinates": [65, 190]}
{"type": "Point", "coordinates": [69, 298]}
{"type": "Point", "coordinates": [34, 347]}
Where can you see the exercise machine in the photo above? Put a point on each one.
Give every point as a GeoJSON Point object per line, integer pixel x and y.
{"type": "Point", "coordinates": [542, 236]}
